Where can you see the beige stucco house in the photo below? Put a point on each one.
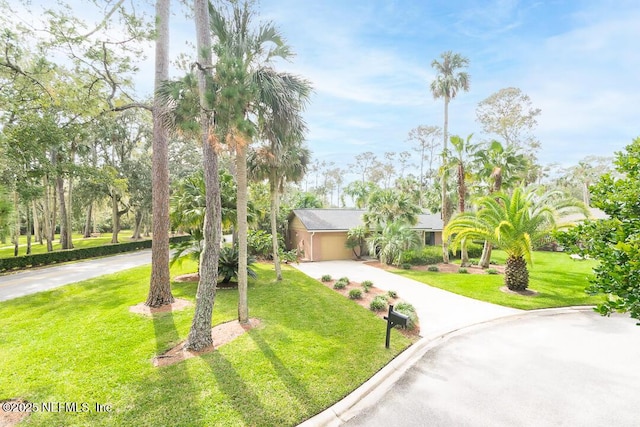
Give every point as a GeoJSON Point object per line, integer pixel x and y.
{"type": "Point", "coordinates": [321, 234]}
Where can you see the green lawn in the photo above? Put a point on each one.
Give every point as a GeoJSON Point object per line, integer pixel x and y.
{"type": "Point", "coordinates": [80, 344]}
{"type": "Point", "coordinates": [6, 250]}
{"type": "Point", "coordinates": [559, 281]}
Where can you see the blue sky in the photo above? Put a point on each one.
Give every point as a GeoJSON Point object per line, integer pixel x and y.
{"type": "Point", "coordinates": [370, 61]}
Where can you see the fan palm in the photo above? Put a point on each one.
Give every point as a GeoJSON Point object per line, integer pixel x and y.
{"type": "Point", "coordinates": [513, 223]}
{"type": "Point", "coordinates": [390, 242]}
{"type": "Point", "coordinates": [249, 88]}
{"type": "Point", "coordinates": [448, 82]}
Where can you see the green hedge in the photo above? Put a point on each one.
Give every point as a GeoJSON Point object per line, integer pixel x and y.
{"type": "Point", "coordinates": [433, 254]}
{"type": "Point", "coordinates": [25, 261]}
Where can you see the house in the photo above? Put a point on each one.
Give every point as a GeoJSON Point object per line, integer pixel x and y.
{"type": "Point", "coordinates": [321, 234]}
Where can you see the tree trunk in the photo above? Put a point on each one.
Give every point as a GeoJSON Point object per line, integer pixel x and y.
{"type": "Point", "coordinates": [516, 275]}
{"type": "Point", "coordinates": [160, 284]}
{"type": "Point", "coordinates": [16, 228]}
{"type": "Point", "coordinates": [47, 223]}
{"type": "Point", "coordinates": [462, 191]}
{"type": "Point", "coordinates": [138, 225]}
{"type": "Point", "coordinates": [241, 169]}
{"type": "Point", "coordinates": [485, 259]}
{"type": "Point", "coordinates": [28, 229]}
{"type": "Point", "coordinates": [115, 218]}
{"type": "Point", "coordinates": [37, 233]}
{"type": "Point", "coordinates": [443, 183]}
{"type": "Point", "coordinates": [64, 225]}
{"type": "Point", "coordinates": [273, 188]}
{"type": "Point", "coordinates": [200, 333]}
{"type": "Point", "coordinates": [70, 208]}
{"type": "Point", "coordinates": [87, 222]}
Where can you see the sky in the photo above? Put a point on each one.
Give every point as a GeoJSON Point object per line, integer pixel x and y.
{"type": "Point", "coordinates": [370, 64]}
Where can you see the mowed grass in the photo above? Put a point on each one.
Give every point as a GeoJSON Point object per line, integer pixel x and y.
{"type": "Point", "coordinates": [6, 250]}
{"type": "Point", "coordinates": [80, 344]}
{"type": "Point", "coordinates": [559, 281]}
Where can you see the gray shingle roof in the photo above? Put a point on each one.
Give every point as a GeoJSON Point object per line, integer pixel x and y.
{"type": "Point", "coordinates": [345, 219]}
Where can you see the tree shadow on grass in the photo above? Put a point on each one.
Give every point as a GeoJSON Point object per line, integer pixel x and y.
{"type": "Point", "coordinates": [168, 395]}
{"type": "Point", "coordinates": [293, 384]}
{"type": "Point", "coordinates": [240, 397]}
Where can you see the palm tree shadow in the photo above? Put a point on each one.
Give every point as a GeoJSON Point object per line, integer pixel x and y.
{"type": "Point", "coordinates": [239, 394]}
{"type": "Point", "coordinates": [154, 398]}
{"type": "Point", "coordinates": [293, 384]}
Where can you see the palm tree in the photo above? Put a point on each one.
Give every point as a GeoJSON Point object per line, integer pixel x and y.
{"type": "Point", "coordinates": [463, 148]}
{"type": "Point", "coordinates": [279, 164]}
{"type": "Point", "coordinates": [248, 88]}
{"type": "Point", "coordinates": [514, 223]}
{"type": "Point", "coordinates": [387, 206]}
{"type": "Point", "coordinates": [391, 241]}
{"type": "Point", "coordinates": [448, 82]}
{"type": "Point", "coordinates": [500, 168]}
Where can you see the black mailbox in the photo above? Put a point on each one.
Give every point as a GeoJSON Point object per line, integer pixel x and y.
{"type": "Point", "coordinates": [394, 319]}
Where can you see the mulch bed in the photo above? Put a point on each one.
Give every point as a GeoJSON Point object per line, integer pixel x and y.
{"type": "Point", "coordinates": [221, 334]}
{"type": "Point", "coordinates": [366, 300]}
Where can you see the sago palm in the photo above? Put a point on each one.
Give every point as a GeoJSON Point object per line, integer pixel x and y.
{"type": "Point", "coordinates": [513, 223]}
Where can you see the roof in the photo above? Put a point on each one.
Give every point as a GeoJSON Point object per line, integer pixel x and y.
{"type": "Point", "coordinates": [345, 219]}
{"type": "Point", "coordinates": [594, 213]}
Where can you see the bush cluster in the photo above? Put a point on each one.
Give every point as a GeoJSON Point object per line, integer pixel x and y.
{"type": "Point", "coordinates": [341, 284]}
{"type": "Point", "coordinates": [378, 303]}
{"type": "Point", "coordinates": [433, 254]}
{"type": "Point", "coordinates": [24, 261]}
{"type": "Point", "coordinates": [355, 294]}
{"type": "Point", "coordinates": [326, 278]}
{"type": "Point", "coordinates": [366, 285]}
{"type": "Point", "coordinates": [409, 311]}
{"type": "Point", "coordinates": [433, 268]}
{"type": "Point", "coordinates": [392, 294]}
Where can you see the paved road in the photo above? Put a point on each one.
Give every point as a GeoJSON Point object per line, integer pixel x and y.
{"type": "Point", "coordinates": [31, 281]}
{"type": "Point", "coordinates": [542, 369]}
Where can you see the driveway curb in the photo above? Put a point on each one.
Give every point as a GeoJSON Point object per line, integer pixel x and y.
{"type": "Point", "coordinates": [375, 387]}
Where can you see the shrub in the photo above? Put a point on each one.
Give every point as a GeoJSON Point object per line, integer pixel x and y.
{"type": "Point", "coordinates": [326, 278]}
{"type": "Point", "coordinates": [492, 271]}
{"type": "Point", "coordinates": [259, 244]}
{"type": "Point", "coordinates": [409, 311]}
{"type": "Point", "coordinates": [344, 279]}
{"type": "Point", "coordinates": [433, 268]}
{"type": "Point", "coordinates": [474, 250]}
{"type": "Point", "coordinates": [405, 266]}
{"type": "Point", "coordinates": [378, 303]}
{"type": "Point", "coordinates": [424, 256]}
{"type": "Point", "coordinates": [355, 294]}
{"type": "Point", "coordinates": [392, 294]}
{"type": "Point", "coordinates": [340, 284]}
{"type": "Point", "coordinates": [463, 270]}
{"type": "Point", "coordinates": [366, 285]}
{"type": "Point", "coordinates": [228, 264]}
{"type": "Point", "coordinates": [80, 253]}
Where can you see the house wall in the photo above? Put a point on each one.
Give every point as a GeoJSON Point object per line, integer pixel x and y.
{"type": "Point", "coordinates": [317, 246]}
{"type": "Point", "coordinates": [299, 239]}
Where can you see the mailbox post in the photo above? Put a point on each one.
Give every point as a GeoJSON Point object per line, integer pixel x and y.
{"type": "Point", "coordinates": [394, 318]}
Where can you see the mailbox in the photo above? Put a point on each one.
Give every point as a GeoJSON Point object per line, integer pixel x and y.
{"type": "Point", "coordinates": [394, 319]}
